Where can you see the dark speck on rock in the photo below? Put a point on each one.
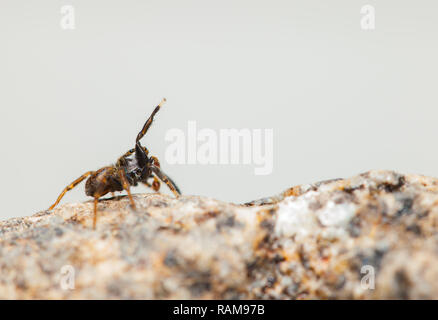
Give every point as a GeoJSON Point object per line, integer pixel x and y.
{"type": "Point", "coordinates": [402, 285]}
{"type": "Point", "coordinates": [271, 281]}
{"type": "Point", "coordinates": [59, 232]}
{"type": "Point", "coordinates": [170, 259]}
{"type": "Point", "coordinates": [226, 222]}
{"type": "Point", "coordinates": [406, 208]}
{"type": "Point", "coordinates": [415, 228]}
{"type": "Point", "coordinates": [373, 258]}
{"type": "Point", "coordinates": [315, 205]}
{"type": "Point", "coordinates": [391, 187]}
{"type": "Point", "coordinates": [198, 288]}
{"type": "Point", "coordinates": [268, 225]}
{"type": "Point", "coordinates": [354, 227]}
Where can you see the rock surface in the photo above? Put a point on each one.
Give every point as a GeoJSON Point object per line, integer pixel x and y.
{"type": "Point", "coordinates": [370, 236]}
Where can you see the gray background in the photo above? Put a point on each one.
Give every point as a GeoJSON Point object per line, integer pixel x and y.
{"type": "Point", "coordinates": [341, 100]}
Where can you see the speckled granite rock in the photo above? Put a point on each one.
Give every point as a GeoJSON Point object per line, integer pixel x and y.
{"type": "Point", "coordinates": [317, 241]}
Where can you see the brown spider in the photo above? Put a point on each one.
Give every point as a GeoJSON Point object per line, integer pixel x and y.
{"type": "Point", "coordinates": [133, 167]}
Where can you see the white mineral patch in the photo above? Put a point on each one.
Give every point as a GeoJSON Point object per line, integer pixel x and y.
{"type": "Point", "coordinates": [377, 177]}
{"type": "Point", "coordinates": [336, 215]}
{"type": "Point", "coordinates": [294, 217]}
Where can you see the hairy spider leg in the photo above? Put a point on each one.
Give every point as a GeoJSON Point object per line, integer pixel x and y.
{"type": "Point", "coordinates": [140, 153]}
{"type": "Point", "coordinates": [71, 186]}
{"type": "Point", "coordinates": [170, 183]}
{"type": "Point", "coordinates": [96, 200]}
{"type": "Point", "coordinates": [167, 180]}
{"type": "Point", "coordinates": [149, 121]}
{"type": "Point", "coordinates": [125, 185]}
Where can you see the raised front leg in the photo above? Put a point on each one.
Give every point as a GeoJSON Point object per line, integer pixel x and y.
{"type": "Point", "coordinates": [149, 121]}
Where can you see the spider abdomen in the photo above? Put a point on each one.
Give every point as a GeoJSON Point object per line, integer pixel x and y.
{"type": "Point", "coordinates": [103, 181]}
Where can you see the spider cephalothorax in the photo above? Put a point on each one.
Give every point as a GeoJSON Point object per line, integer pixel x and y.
{"type": "Point", "coordinates": [133, 167]}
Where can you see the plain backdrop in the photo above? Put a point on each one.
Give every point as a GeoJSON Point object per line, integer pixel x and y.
{"type": "Point", "coordinates": [341, 100]}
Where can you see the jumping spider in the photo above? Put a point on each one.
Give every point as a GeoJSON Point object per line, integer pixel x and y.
{"type": "Point", "coordinates": [134, 166]}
